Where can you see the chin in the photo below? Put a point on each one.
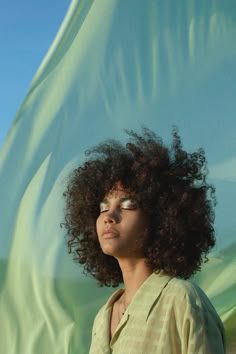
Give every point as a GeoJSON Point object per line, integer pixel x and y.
{"type": "Point", "coordinates": [109, 251]}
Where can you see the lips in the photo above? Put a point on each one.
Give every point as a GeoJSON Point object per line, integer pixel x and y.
{"type": "Point", "coordinates": [110, 233]}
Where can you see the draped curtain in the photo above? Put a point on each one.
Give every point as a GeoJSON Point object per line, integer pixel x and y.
{"type": "Point", "coordinates": [113, 65]}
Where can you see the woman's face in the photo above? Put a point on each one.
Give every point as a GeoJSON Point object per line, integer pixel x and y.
{"type": "Point", "coordinates": [121, 225]}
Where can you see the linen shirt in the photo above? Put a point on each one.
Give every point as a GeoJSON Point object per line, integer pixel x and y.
{"type": "Point", "coordinates": [166, 316]}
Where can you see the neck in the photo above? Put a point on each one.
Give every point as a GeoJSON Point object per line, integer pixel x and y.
{"type": "Point", "coordinates": [135, 272]}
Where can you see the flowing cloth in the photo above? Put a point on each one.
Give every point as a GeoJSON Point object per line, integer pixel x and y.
{"type": "Point", "coordinates": [113, 65]}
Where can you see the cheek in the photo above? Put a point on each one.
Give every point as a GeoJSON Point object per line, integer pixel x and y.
{"type": "Point", "coordinates": [135, 227]}
{"type": "Point", "coordinates": [98, 230]}
{"type": "Point", "coordinates": [142, 227]}
{"type": "Point", "coordinates": [98, 225]}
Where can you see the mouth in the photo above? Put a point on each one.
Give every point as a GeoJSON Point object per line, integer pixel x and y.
{"type": "Point", "coordinates": [109, 234]}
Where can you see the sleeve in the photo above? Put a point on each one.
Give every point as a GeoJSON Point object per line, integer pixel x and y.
{"type": "Point", "coordinates": [202, 331]}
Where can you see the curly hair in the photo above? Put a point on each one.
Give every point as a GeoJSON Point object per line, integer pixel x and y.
{"type": "Point", "coordinates": [170, 187]}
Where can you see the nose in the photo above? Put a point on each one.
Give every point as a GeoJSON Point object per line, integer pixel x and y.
{"type": "Point", "coordinates": [112, 217]}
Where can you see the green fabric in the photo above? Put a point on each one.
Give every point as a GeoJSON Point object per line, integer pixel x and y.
{"type": "Point", "coordinates": [113, 65]}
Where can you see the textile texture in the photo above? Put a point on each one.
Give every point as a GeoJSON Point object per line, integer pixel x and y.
{"type": "Point", "coordinates": [166, 316]}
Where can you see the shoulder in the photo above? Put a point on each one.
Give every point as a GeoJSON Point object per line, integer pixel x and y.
{"type": "Point", "coordinates": [189, 299]}
{"type": "Point", "coordinates": [195, 317]}
{"type": "Point", "coordinates": [195, 311]}
{"type": "Point", "coordinates": [176, 287]}
{"type": "Point", "coordinates": [188, 293]}
{"type": "Point", "coordinates": [182, 296]}
{"type": "Point", "coordinates": [185, 288]}
{"type": "Point", "coordinates": [173, 291]}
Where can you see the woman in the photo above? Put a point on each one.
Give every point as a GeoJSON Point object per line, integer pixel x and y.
{"type": "Point", "coordinates": [142, 215]}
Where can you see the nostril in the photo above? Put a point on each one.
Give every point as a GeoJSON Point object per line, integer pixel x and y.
{"type": "Point", "coordinates": [110, 218]}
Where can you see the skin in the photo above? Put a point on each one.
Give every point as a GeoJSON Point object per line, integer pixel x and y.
{"type": "Point", "coordinates": [121, 229]}
{"type": "Point", "coordinates": [121, 226]}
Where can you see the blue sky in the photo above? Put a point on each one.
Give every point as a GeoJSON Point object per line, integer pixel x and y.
{"type": "Point", "coordinates": [27, 29]}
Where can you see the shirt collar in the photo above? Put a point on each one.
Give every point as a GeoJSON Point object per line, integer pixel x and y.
{"type": "Point", "coordinates": [115, 296]}
{"type": "Point", "coordinates": [147, 294]}
{"type": "Point", "coordinates": [143, 300]}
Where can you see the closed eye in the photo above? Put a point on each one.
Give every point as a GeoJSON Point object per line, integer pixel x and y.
{"type": "Point", "coordinates": [103, 207]}
{"type": "Point", "coordinates": [128, 204]}
{"type": "Point", "coordinates": [125, 203]}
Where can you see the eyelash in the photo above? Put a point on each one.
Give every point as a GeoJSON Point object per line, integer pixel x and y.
{"type": "Point", "coordinates": [132, 206]}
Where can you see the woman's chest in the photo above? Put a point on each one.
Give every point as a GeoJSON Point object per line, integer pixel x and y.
{"type": "Point", "coordinates": [116, 316]}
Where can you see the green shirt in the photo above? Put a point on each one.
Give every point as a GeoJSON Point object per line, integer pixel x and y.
{"type": "Point", "coordinates": [166, 316]}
